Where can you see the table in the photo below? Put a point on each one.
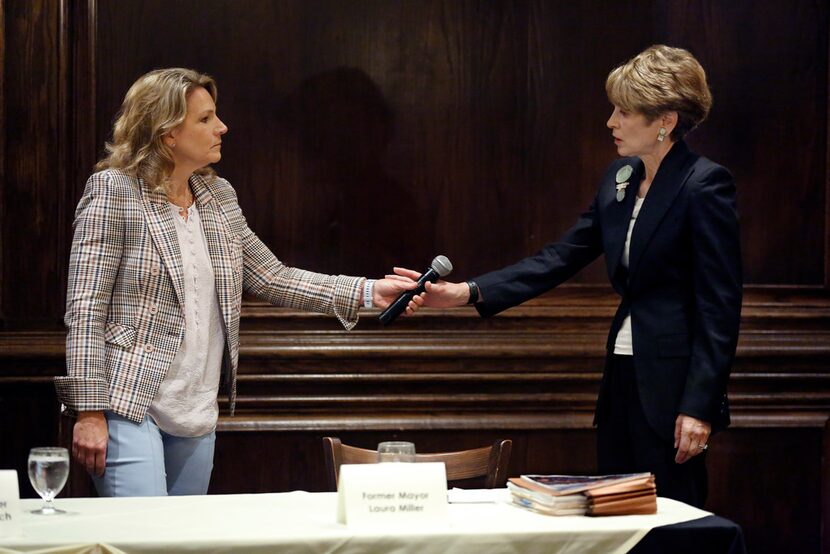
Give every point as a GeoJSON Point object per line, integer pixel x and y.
{"type": "Point", "coordinates": [306, 522]}
{"type": "Point", "coordinates": [708, 534]}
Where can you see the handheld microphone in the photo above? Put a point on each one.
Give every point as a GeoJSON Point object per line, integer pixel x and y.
{"type": "Point", "coordinates": [440, 267]}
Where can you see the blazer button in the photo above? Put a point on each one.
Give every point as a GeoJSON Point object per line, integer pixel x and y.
{"type": "Point", "coordinates": [153, 308]}
{"type": "Point", "coordinates": [155, 270]}
{"type": "Point", "coordinates": [148, 348]}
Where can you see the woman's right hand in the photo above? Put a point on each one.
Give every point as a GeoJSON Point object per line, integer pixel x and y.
{"type": "Point", "coordinates": [89, 441]}
{"type": "Point", "coordinates": [441, 294]}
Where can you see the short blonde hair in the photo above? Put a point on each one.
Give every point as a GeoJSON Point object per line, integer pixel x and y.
{"type": "Point", "coordinates": [662, 79]}
{"type": "Point", "coordinates": [155, 104]}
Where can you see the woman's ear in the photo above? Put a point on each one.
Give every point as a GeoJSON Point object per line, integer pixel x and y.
{"type": "Point", "coordinates": [669, 121]}
{"type": "Point", "coordinates": [170, 139]}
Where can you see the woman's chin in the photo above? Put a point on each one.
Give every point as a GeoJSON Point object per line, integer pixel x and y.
{"type": "Point", "coordinates": [624, 152]}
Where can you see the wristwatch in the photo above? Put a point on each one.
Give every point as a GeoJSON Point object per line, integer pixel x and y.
{"type": "Point", "coordinates": [473, 292]}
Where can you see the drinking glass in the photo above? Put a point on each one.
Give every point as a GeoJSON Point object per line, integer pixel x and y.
{"type": "Point", "coordinates": [396, 451]}
{"type": "Point", "coordinates": [48, 470]}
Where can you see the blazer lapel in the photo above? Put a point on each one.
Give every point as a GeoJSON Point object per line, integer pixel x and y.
{"type": "Point", "coordinates": [618, 215]}
{"type": "Point", "coordinates": [670, 178]}
{"type": "Point", "coordinates": [163, 231]}
{"type": "Point", "coordinates": [219, 248]}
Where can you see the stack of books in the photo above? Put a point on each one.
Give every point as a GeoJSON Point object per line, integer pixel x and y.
{"type": "Point", "coordinates": [593, 495]}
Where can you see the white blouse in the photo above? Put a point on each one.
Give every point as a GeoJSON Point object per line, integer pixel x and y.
{"type": "Point", "coordinates": [623, 344]}
{"type": "Point", "coordinates": [186, 404]}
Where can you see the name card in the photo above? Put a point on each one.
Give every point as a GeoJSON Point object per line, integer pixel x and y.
{"type": "Point", "coordinates": [398, 494]}
{"type": "Point", "coordinates": [10, 513]}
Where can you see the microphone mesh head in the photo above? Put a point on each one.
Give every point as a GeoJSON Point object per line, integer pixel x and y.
{"type": "Point", "coordinates": [441, 265]}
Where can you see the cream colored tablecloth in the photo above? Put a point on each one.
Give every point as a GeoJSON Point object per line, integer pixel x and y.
{"type": "Point", "coordinates": [306, 522]}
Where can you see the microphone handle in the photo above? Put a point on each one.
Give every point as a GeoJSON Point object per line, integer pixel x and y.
{"type": "Point", "coordinates": [397, 307]}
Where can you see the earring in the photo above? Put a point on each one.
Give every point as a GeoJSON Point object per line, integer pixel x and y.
{"type": "Point", "coordinates": [661, 134]}
{"type": "Point", "coordinates": [174, 144]}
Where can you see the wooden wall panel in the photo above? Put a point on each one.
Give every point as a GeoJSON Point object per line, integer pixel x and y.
{"type": "Point", "coordinates": [84, 145]}
{"type": "Point", "coordinates": [362, 138]}
{"type": "Point", "coordinates": [34, 224]}
{"type": "Point", "coordinates": [2, 147]}
{"type": "Point", "coordinates": [758, 466]}
{"type": "Point", "coordinates": [28, 412]}
{"type": "Point", "coordinates": [767, 66]}
{"type": "Point", "coordinates": [370, 132]}
{"type": "Point", "coordinates": [373, 133]}
{"type": "Point", "coordinates": [572, 48]}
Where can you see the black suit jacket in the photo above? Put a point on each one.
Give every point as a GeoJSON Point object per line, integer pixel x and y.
{"type": "Point", "coordinates": [682, 288]}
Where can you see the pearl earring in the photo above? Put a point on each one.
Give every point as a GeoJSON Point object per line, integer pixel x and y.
{"type": "Point", "coordinates": [661, 134]}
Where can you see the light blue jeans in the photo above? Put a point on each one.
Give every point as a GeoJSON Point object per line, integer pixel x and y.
{"type": "Point", "coordinates": [143, 460]}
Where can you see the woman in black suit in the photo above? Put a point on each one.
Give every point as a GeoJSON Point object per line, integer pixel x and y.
{"type": "Point", "coordinates": [673, 338]}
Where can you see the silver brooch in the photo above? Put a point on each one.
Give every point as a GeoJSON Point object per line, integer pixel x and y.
{"type": "Point", "coordinates": [622, 177]}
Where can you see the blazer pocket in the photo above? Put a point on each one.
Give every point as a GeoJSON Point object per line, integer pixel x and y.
{"type": "Point", "coordinates": [673, 346]}
{"type": "Point", "coordinates": [119, 335]}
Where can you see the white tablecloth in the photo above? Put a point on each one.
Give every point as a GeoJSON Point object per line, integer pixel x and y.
{"type": "Point", "coordinates": [306, 522]}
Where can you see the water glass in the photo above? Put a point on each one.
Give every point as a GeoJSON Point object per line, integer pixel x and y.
{"type": "Point", "coordinates": [48, 470]}
{"type": "Point", "coordinates": [396, 451]}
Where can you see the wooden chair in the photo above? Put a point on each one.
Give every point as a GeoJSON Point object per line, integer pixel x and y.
{"type": "Point", "coordinates": [489, 463]}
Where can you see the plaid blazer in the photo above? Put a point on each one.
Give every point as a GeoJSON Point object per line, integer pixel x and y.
{"type": "Point", "coordinates": [125, 299]}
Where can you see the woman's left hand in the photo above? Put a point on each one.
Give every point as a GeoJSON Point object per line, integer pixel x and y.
{"type": "Point", "coordinates": [690, 436]}
{"type": "Point", "coordinates": [386, 290]}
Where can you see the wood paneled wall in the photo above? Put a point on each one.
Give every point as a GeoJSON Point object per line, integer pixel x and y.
{"type": "Point", "coordinates": [366, 134]}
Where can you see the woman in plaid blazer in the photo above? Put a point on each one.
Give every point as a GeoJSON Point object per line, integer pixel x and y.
{"type": "Point", "coordinates": [160, 257]}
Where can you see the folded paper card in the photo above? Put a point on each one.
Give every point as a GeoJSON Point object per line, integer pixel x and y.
{"type": "Point", "coordinates": [399, 494]}
{"type": "Point", "coordinates": [9, 504]}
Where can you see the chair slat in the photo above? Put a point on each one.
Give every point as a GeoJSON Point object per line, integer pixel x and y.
{"type": "Point", "coordinates": [490, 462]}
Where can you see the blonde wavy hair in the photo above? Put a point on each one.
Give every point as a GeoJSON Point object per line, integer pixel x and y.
{"type": "Point", "coordinates": [662, 79]}
{"type": "Point", "coordinates": [155, 104]}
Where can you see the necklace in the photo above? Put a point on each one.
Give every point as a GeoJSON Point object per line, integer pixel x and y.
{"type": "Point", "coordinates": [183, 209]}
{"type": "Point", "coordinates": [188, 203]}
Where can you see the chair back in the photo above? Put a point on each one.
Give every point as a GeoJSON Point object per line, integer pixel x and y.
{"type": "Point", "coordinates": [489, 462]}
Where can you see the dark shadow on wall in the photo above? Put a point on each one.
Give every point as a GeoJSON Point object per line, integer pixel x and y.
{"type": "Point", "coordinates": [360, 220]}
